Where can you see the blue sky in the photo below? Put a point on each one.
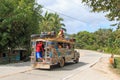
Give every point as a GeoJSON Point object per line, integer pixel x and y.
{"type": "Point", "coordinates": [79, 16]}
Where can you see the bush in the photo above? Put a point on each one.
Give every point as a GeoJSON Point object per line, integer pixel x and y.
{"type": "Point", "coordinates": [116, 51]}
{"type": "Point", "coordinates": [117, 62]}
{"type": "Point", "coordinates": [108, 50]}
{"type": "Point", "coordinates": [91, 47]}
{"type": "Point", "coordinates": [112, 50]}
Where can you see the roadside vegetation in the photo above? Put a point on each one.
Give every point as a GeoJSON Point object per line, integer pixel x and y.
{"type": "Point", "coordinates": [115, 67]}
{"type": "Point", "coordinates": [104, 40]}
{"type": "Point", "coordinates": [21, 18]}
{"type": "Point", "coordinates": [117, 64]}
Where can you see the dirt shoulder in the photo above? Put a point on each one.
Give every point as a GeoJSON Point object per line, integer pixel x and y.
{"type": "Point", "coordinates": [104, 68]}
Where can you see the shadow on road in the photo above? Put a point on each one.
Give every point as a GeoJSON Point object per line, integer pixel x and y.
{"type": "Point", "coordinates": [68, 66]}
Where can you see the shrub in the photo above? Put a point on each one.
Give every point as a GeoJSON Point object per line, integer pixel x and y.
{"type": "Point", "coordinates": [117, 62]}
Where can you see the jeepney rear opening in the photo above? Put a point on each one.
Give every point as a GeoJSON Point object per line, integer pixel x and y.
{"type": "Point", "coordinates": [47, 54]}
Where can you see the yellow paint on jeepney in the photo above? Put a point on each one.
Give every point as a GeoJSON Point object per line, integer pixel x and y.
{"type": "Point", "coordinates": [41, 65]}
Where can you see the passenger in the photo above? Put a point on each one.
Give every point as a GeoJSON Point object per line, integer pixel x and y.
{"type": "Point", "coordinates": [67, 46]}
{"type": "Point", "coordinates": [68, 49]}
{"type": "Point", "coordinates": [39, 50]}
{"type": "Point", "coordinates": [61, 34]}
{"type": "Point", "coordinates": [59, 46]}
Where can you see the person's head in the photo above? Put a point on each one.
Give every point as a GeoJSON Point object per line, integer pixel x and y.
{"type": "Point", "coordinates": [40, 42]}
{"type": "Point", "coordinates": [59, 46]}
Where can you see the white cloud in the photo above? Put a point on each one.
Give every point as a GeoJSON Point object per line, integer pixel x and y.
{"type": "Point", "coordinates": [82, 19]}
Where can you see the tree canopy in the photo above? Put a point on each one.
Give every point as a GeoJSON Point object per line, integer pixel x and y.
{"type": "Point", "coordinates": [112, 7]}
{"type": "Point", "coordinates": [51, 22]}
{"type": "Point", "coordinates": [21, 18]}
{"type": "Point", "coordinates": [103, 39]}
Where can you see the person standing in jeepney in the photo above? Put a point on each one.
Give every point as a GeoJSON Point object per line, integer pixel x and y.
{"type": "Point", "coordinates": [61, 34]}
{"type": "Point", "coordinates": [39, 50]}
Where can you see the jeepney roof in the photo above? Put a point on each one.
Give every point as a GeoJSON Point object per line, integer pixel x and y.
{"type": "Point", "coordinates": [52, 39]}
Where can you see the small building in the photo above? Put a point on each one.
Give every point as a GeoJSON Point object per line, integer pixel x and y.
{"type": "Point", "coordinates": [15, 55]}
{"type": "Point", "coordinates": [19, 54]}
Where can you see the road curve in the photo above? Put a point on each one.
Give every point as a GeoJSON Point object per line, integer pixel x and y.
{"type": "Point", "coordinates": [87, 59]}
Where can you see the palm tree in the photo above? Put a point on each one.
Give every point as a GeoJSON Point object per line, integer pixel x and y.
{"type": "Point", "coordinates": [57, 22]}
{"type": "Point", "coordinates": [45, 24]}
{"type": "Point", "coordinates": [51, 22]}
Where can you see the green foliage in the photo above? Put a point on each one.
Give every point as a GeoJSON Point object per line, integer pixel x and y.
{"type": "Point", "coordinates": [19, 19]}
{"type": "Point", "coordinates": [84, 38]}
{"type": "Point", "coordinates": [103, 39]}
{"type": "Point", "coordinates": [117, 63]}
{"type": "Point", "coordinates": [112, 7]}
{"type": "Point", "coordinates": [102, 36]}
{"type": "Point", "coordinates": [51, 22]}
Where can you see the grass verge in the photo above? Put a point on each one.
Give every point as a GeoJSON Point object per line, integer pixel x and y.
{"type": "Point", "coordinates": [117, 65]}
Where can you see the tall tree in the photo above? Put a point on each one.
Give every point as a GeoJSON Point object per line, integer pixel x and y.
{"type": "Point", "coordinates": [57, 22]}
{"type": "Point", "coordinates": [19, 19]}
{"type": "Point", "coordinates": [51, 22]}
{"type": "Point", "coordinates": [85, 39]}
{"type": "Point", "coordinates": [46, 22]}
{"type": "Point", "coordinates": [112, 7]}
{"type": "Point", "coordinates": [102, 36]}
{"type": "Point", "coordinates": [103, 39]}
{"type": "Point", "coordinates": [117, 38]}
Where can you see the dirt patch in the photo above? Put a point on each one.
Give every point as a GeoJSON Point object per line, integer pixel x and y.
{"type": "Point", "coordinates": [103, 67]}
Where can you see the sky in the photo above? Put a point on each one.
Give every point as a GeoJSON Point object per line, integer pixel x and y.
{"type": "Point", "coordinates": [77, 16]}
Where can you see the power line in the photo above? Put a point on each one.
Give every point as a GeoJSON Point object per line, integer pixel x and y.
{"type": "Point", "coordinates": [64, 14]}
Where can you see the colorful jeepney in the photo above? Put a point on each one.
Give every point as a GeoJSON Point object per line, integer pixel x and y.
{"type": "Point", "coordinates": [57, 51]}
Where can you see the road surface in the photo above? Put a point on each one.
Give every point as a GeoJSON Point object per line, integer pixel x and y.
{"type": "Point", "coordinates": [71, 71]}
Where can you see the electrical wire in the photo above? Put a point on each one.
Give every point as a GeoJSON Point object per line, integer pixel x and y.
{"type": "Point", "coordinates": [63, 14]}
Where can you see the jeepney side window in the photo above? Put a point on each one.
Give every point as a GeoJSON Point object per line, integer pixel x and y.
{"type": "Point", "coordinates": [72, 46]}
{"type": "Point", "coordinates": [64, 45]}
{"type": "Point", "coordinates": [68, 46]}
{"type": "Point", "coordinates": [49, 43]}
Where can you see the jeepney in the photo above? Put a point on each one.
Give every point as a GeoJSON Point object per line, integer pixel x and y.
{"type": "Point", "coordinates": [62, 51]}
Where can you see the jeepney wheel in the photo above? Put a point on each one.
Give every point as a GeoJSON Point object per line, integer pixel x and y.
{"type": "Point", "coordinates": [62, 62]}
{"type": "Point", "coordinates": [76, 60]}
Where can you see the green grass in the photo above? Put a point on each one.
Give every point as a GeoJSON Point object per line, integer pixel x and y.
{"type": "Point", "coordinates": [117, 64]}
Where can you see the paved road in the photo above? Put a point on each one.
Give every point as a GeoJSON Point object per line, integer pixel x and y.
{"type": "Point", "coordinates": [88, 58]}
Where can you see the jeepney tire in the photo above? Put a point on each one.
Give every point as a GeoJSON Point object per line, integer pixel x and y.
{"type": "Point", "coordinates": [62, 62]}
{"type": "Point", "coordinates": [76, 60]}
